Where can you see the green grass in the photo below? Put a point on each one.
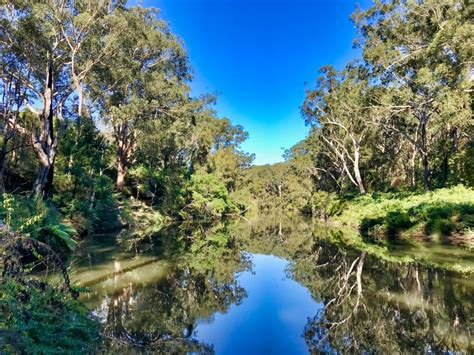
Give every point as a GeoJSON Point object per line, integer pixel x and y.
{"type": "Point", "coordinates": [447, 212]}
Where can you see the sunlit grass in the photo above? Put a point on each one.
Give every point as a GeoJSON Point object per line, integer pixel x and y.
{"type": "Point", "coordinates": [447, 212]}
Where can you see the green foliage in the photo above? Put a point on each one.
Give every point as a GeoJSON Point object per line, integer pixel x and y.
{"type": "Point", "coordinates": [207, 198]}
{"type": "Point", "coordinates": [44, 320]}
{"type": "Point", "coordinates": [446, 212]}
{"type": "Point", "coordinates": [146, 181]}
{"type": "Point", "coordinates": [226, 160]}
{"type": "Point", "coordinates": [445, 218]}
{"type": "Point", "coordinates": [462, 166]}
{"type": "Point", "coordinates": [209, 248]}
{"type": "Point", "coordinates": [97, 213]}
{"type": "Point", "coordinates": [401, 116]}
{"type": "Point", "coordinates": [277, 186]}
{"type": "Point", "coordinates": [35, 218]}
{"type": "Point", "coordinates": [141, 220]}
{"type": "Point", "coordinates": [324, 204]}
{"type": "Point", "coordinates": [141, 90]}
{"type": "Point", "coordinates": [161, 188]}
{"type": "Point", "coordinates": [396, 221]}
{"type": "Point", "coordinates": [84, 191]}
{"type": "Point", "coordinates": [128, 121]}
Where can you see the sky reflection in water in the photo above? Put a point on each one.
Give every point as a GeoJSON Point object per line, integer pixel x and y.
{"type": "Point", "coordinates": [270, 320]}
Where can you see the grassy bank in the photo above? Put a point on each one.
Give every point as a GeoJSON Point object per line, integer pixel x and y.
{"type": "Point", "coordinates": [447, 214]}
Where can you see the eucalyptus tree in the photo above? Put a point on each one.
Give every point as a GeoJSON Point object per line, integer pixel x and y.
{"type": "Point", "coordinates": [168, 150]}
{"type": "Point", "coordinates": [13, 98]}
{"type": "Point", "coordinates": [337, 109]}
{"type": "Point", "coordinates": [90, 30]}
{"type": "Point", "coordinates": [226, 158]}
{"type": "Point", "coordinates": [39, 48]}
{"type": "Point", "coordinates": [421, 53]}
{"type": "Point", "coordinates": [54, 45]}
{"type": "Point", "coordinates": [142, 81]}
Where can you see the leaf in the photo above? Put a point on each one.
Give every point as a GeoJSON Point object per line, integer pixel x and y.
{"type": "Point", "coordinates": [65, 232]}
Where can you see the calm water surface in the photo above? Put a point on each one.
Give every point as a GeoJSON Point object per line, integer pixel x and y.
{"type": "Point", "coordinates": [269, 320]}
{"type": "Point", "coordinates": [272, 285]}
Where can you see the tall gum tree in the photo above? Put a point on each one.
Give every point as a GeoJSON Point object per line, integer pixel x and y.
{"type": "Point", "coordinates": [336, 108]}
{"type": "Point", "coordinates": [13, 96]}
{"type": "Point", "coordinates": [421, 52]}
{"type": "Point", "coordinates": [39, 47]}
{"type": "Point", "coordinates": [55, 44]}
{"type": "Point", "coordinates": [141, 82]}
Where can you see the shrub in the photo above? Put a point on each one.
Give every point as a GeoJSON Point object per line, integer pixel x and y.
{"type": "Point", "coordinates": [396, 221]}
{"type": "Point", "coordinates": [99, 212]}
{"type": "Point", "coordinates": [443, 211]}
{"type": "Point", "coordinates": [44, 320]}
{"type": "Point", "coordinates": [83, 191]}
{"type": "Point", "coordinates": [207, 198]}
{"type": "Point", "coordinates": [38, 220]}
{"type": "Point", "coordinates": [372, 229]}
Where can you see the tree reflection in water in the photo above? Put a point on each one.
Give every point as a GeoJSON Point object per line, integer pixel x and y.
{"type": "Point", "coordinates": [370, 305]}
{"type": "Point", "coordinates": [161, 316]}
{"type": "Point", "coordinates": [376, 306]}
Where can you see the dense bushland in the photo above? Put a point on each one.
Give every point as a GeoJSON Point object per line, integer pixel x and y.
{"type": "Point", "coordinates": [41, 319]}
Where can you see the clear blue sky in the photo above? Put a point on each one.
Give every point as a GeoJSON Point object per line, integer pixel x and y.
{"type": "Point", "coordinates": [258, 55]}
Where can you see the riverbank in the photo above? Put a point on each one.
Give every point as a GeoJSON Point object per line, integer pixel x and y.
{"type": "Point", "coordinates": [444, 214]}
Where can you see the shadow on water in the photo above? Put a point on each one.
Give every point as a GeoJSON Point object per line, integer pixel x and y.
{"type": "Point", "coordinates": [270, 284]}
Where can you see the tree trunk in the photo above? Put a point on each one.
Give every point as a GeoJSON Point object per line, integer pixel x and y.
{"type": "Point", "coordinates": [450, 149]}
{"type": "Point", "coordinates": [123, 153]}
{"type": "Point", "coordinates": [48, 187]}
{"type": "Point", "coordinates": [41, 181]}
{"type": "Point", "coordinates": [358, 177]}
{"type": "Point", "coordinates": [121, 173]}
{"type": "Point", "coordinates": [43, 185]}
{"type": "Point", "coordinates": [426, 172]}
{"type": "Point", "coordinates": [3, 160]}
{"type": "Point", "coordinates": [413, 168]}
{"type": "Point", "coordinates": [360, 266]}
{"type": "Point", "coordinates": [80, 92]}
{"type": "Point", "coordinates": [45, 143]}
{"type": "Point", "coordinates": [424, 152]}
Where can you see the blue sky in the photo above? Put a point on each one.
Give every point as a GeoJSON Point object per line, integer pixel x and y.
{"type": "Point", "coordinates": [258, 55]}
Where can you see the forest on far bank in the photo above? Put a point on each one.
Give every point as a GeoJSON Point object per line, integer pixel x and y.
{"type": "Point", "coordinates": [388, 130]}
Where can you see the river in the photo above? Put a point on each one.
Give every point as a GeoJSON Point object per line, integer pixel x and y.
{"type": "Point", "coordinates": [274, 285]}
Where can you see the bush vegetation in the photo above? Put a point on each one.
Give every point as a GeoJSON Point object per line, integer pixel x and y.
{"type": "Point", "coordinates": [442, 212]}
{"type": "Point", "coordinates": [36, 219]}
{"type": "Point", "coordinates": [43, 320]}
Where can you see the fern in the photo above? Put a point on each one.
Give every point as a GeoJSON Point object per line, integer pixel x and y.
{"type": "Point", "coordinates": [66, 233]}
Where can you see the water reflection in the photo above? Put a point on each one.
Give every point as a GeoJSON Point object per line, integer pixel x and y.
{"type": "Point", "coordinates": [162, 316]}
{"type": "Point", "coordinates": [269, 320]}
{"type": "Point", "coordinates": [272, 284]}
{"type": "Point", "coordinates": [381, 307]}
